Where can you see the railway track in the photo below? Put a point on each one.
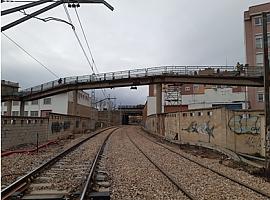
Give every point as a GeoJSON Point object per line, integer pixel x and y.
{"type": "Point", "coordinates": [167, 175]}
{"type": "Point", "coordinates": [241, 184]}
{"type": "Point", "coordinates": [63, 176]}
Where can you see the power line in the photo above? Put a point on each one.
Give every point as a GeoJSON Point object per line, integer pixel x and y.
{"type": "Point", "coordinates": [88, 46]}
{"type": "Point", "coordinates": [78, 39]}
{"type": "Point", "coordinates": [49, 19]}
{"type": "Point", "coordinates": [85, 38]}
{"type": "Point", "coordinates": [19, 46]}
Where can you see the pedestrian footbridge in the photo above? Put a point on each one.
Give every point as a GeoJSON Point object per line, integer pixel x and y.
{"type": "Point", "coordinates": [210, 75]}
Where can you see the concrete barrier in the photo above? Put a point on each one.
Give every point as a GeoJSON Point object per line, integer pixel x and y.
{"type": "Point", "coordinates": [240, 131]}
{"type": "Point", "coordinates": [17, 130]}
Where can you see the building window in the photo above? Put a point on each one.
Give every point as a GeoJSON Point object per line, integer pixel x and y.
{"type": "Point", "coordinates": [200, 114]}
{"type": "Point", "coordinates": [47, 101]}
{"type": "Point", "coordinates": [260, 97]}
{"type": "Point", "coordinates": [258, 21]}
{"type": "Point", "coordinates": [184, 114]}
{"type": "Point", "coordinates": [35, 102]}
{"type": "Point", "coordinates": [209, 113]}
{"type": "Point", "coordinates": [25, 113]}
{"type": "Point", "coordinates": [192, 114]}
{"type": "Point", "coordinates": [268, 18]}
{"type": "Point", "coordinates": [259, 42]}
{"type": "Point", "coordinates": [15, 113]}
{"type": "Point", "coordinates": [15, 103]}
{"type": "Point", "coordinates": [259, 59]}
{"type": "Point", "coordinates": [187, 88]}
{"type": "Point", "coordinates": [34, 113]}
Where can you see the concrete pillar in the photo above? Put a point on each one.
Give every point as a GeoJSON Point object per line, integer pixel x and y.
{"type": "Point", "coordinates": [9, 108]}
{"type": "Point", "coordinates": [75, 102]}
{"type": "Point", "coordinates": [22, 106]}
{"type": "Point", "coordinates": [158, 98]}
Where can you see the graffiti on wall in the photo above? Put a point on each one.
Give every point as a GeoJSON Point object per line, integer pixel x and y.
{"type": "Point", "coordinates": [253, 142]}
{"type": "Point", "coordinates": [172, 135]}
{"type": "Point", "coordinates": [203, 128]}
{"type": "Point", "coordinates": [58, 126]}
{"type": "Point", "coordinates": [245, 124]}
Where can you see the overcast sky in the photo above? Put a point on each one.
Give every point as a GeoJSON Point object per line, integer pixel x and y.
{"type": "Point", "coordinates": [137, 34]}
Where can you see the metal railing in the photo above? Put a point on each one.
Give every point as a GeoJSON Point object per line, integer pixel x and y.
{"type": "Point", "coordinates": [149, 72]}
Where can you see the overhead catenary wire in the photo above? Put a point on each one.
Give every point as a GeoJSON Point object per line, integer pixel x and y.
{"type": "Point", "coordinates": [86, 41]}
{"type": "Point", "coordinates": [20, 47]}
{"type": "Point", "coordinates": [78, 39]}
{"type": "Point", "coordinates": [49, 19]}
{"type": "Point", "coordinates": [88, 47]}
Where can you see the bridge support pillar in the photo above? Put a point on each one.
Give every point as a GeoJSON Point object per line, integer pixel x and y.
{"type": "Point", "coordinates": [9, 108]}
{"type": "Point", "coordinates": [22, 106]}
{"type": "Point", "coordinates": [75, 102]}
{"type": "Point", "coordinates": [158, 98]}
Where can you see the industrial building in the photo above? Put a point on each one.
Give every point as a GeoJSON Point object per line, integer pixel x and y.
{"type": "Point", "coordinates": [192, 96]}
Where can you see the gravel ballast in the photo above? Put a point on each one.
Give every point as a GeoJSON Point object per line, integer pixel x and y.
{"type": "Point", "coordinates": [202, 183]}
{"type": "Point", "coordinates": [132, 175]}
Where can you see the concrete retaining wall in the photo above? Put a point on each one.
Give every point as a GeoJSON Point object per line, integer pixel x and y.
{"type": "Point", "coordinates": [240, 131]}
{"type": "Point", "coordinates": [23, 130]}
{"type": "Point", "coordinates": [16, 130]}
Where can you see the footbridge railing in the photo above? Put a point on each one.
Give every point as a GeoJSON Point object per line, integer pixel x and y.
{"type": "Point", "coordinates": [149, 72]}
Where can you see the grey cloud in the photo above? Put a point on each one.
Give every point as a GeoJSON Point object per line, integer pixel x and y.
{"type": "Point", "coordinates": [136, 34]}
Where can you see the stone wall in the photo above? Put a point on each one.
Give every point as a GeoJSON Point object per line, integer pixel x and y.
{"type": "Point", "coordinates": [240, 131]}
{"type": "Point", "coordinates": [16, 130]}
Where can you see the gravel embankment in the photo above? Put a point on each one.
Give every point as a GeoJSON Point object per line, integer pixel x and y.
{"type": "Point", "coordinates": [202, 183]}
{"type": "Point", "coordinates": [16, 165]}
{"type": "Point", "coordinates": [239, 175]}
{"type": "Point", "coordinates": [132, 175]}
{"type": "Point", "coordinates": [69, 173]}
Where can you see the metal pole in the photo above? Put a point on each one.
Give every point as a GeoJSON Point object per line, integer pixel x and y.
{"type": "Point", "coordinates": [36, 3]}
{"type": "Point", "coordinates": [22, 7]}
{"type": "Point", "coordinates": [55, 4]}
{"type": "Point", "coordinates": [23, 19]}
{"type": "Point", "coordinates": [266, 97]}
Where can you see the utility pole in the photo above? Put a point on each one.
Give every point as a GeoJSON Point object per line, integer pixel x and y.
{"type": "Point", "coordinates": [266, 97]}
{"type": "Point", "coordinates": [44, 9]}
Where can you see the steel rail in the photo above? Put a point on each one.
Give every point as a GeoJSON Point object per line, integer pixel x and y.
{"type": "Point", "coordinates": [168, 176]}
{"type": "Point", "coordinates": [212, 170]}
{"type": "Point", "coordinates": [93, 167]}
{"type": "Point", "coordinates": [23, 181]}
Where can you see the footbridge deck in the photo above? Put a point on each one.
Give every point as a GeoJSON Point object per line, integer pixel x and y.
{"type": "Point", "coordinates": [211, 75]}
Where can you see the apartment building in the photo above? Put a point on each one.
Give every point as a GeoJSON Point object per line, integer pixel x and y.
{"type": "Point", "coordinates": [254, 47]}
{"type": "Point", "coordinates": [192, 96]}
{"type": "Point", "coordinates": [61, 103]}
